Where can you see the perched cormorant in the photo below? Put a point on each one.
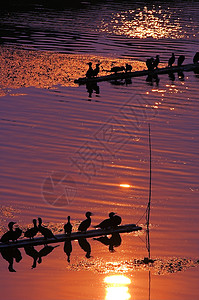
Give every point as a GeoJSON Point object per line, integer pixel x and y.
{"type": "Point", "coordinates": [149, 64]}
{"type": "Point", "coordinates": [107, 223]}
{"type": "Point", "coordinates": [96, 70]}
{"type": "Point", "coordinates": [9, 235]}
{"type": "Point", "coordinates": [86, 223]}
{"type": "Point", "coordinates": [89, 73]}
{"type": "Point", "coordinates": [128, 68]}
{"type": "Point", "coordinates": [47, 233]}
{"type": "Point", "coordinates": [116, 220]}
{"type": "Point", "coordinates": [68, 227]}
{"type": "Point", "coordinates": [171, 60]}
{"type": "Point", "coordinates": [181, 59]}
{"type": "Point", "coordinates": [16, 234]}
{"type": "Point", "coordinates": [30, 233]}
{"type": "Point", "coordinates": [117, 69]}
{"type": "Point", "coordinates": [156, 62]}
{"type": "Point", "coordinates": [196, 58]}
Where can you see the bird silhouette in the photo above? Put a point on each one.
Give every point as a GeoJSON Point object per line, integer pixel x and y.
{"type": "Point", "coordinates": [171, 60]}
{"type": "Point", "coordinates": [30, 233]}
{"type": "Point", "coordinates": [68, 227]}
{"type": "Point", "coordinates": [96, 70]}
{"type": "Point", "coordinates": [116, 220]}
{"type": "Point", "coordinates": [9, 235]}
{"type": "Point", "coordinates": [47, 233]}
{"type": "Point", "coordinates": [149, 64]}
{"type": "Point", "coordinates": [10, 254]}
{"type": "Point", "coordinates": [107, 223]}
{"type": "Point", "coordinates": [156, 62]}
{"type": "Point", "coordinates": [89, 72]}
{"type": "Point", "coordinates": [84, 225]}
{"type": "Point", "coordinates": [16, 234]}
{"type": "Point", "coordinates": [181, 59]}
{"type": "Point", "coordinates": [114, 241]}
{"type": "Point", "coordinates": [196, 58]}
{"type": "Point", "coordinates": [117, 69]}
{"type": "Point", "coordinates": [128, 68]}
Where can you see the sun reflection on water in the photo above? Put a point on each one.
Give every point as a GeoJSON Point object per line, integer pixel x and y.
{"type": "Point", "coordinates": [156, 23]}
{"type": "Point", "coordinates": [117, 288]}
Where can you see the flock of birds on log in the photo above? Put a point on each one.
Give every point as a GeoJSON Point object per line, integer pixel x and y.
{"type": "Point", "coordinates": [14, 234]}
{"type": "Point", "coordinates": [151, 63]}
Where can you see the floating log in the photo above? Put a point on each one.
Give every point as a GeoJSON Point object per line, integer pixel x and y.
{"type": "Point", "coordinates": [124, 75]}
{"type": "Point", "coordinates": [74, 236]}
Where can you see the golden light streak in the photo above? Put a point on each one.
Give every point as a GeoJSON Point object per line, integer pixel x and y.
{"type": "Point", "coordinates": [117, 287]}
{"type": "Point", "coordinates": [125, 185]}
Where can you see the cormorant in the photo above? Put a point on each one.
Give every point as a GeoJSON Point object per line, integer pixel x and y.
{"type": "Point", "coordinates": [89, 73]}
{"type": "Point", "coordinates": [107, 223]}
{"type": "Point", "coordinates": [47, 233]}
{"type": "Point", "coordinates": [149, 64]}
{"type": "Point", "coordinates": [96, 70]}
{"type": "Point", "coordinates": [156, 62]}
{"type": "Point", "coordinates": [68, 227]}
{"type": "Point", "coordinates": [117, 69]}
{"type": "Point", "coordinates": [181, 59]}
{"type": "Point", "coordinates": [196, 58]}
{"type": "Point", "coordinates": [30, 233]}
{"type": "Point", "coordinates": [171, 60]}
{"type": "Point", "coordinates": [128, 68]}
{"type": "Point", "coordinates": [9, 235]}
{"type": "Point", "coordinates": [86, 223]}
{"type": "Point", "coordinates": [16, 234]}
{"type": "Point", "coordinates": [116, 220]}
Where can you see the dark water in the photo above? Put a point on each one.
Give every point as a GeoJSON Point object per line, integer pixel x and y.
{"type": "Point", "coordinates": [52, 130]}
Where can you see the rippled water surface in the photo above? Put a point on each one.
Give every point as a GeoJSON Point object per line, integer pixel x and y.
{"type": "Point", "coordinates": [67, 149]}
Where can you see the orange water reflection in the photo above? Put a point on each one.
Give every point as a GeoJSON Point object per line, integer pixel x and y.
{"type": "Point", "coordinates": [117, 287]}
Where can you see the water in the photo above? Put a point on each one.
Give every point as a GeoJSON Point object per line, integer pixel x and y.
{"type": "Point", "coordinates": [54, 130]}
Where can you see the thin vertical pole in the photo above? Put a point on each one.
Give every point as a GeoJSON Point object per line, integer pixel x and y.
{"type": "Point", "coordinates": [149, 202]}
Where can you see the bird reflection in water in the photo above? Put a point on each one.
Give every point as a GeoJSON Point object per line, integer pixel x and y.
{"type": "Point", "coordinates": [92, 87]}
{"type": "Point", "coordinates": [117, 287]}
{"type": "Point", "coordinates": [84, 244]}
{"type": "Point", "coordinates": [171, 76]}
{"type": "Point", "coordinates": [68, 248]}
{"type": "Point", "coordinates": [10, 254]}
{"type": "Point", "coordinates": [151, 78]}
{"type": "Point", "coordinates": [181, 75]}
{"type": "Point", "coordinates": [114, 241]}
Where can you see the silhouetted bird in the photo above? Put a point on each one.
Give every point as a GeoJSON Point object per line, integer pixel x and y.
{"type": "Point", "coordinates": [68, 227]}
{"type": "Point", "coordinates": [9, 235]}
{"type": "Point", "coordinates": [107, 223]}
{"type": "Point", "coordinates": [47, 233]}
{"type": "Point", "coordinates": [45, 251]}
{"type": "Point", "coordinates": [156, 62]}
{"type": "Point", "coordinates": [9, 254]}
{"type": "Point", "coordinates": [171, 60]}
{"type": "Point", "coordinates": [116, 220]}
{"type": "Point", "coordinates": [149, 64]}
{"type": "Point", "coordinates": [30, 233]}
{"type": "Point", "coordinates": [84, 244]}
{"type": "Point", "coordinates": [196, 58]}
{"type": "Point", "coordinates": [128, 68]}
{"type": "Point", "coordinates": [115, 241]}
{"type": "Point", "coordinates": [16, 234]}
{"type": "Point", "coordinates": [181, 59]}
{"type": "Point", "coordinates": [96, 70]}
{"type": "Point", "coordinates": [84, 225]}
{"type": "Point", "coordinates": [68, 249]}
{"type": "Point", "coordinates": [89, 73]}
{"type": "Point", "coordinates": [117, 69]}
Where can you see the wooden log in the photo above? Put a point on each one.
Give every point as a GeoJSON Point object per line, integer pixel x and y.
{"type": "Point", "coordinates": [74, 236]}
{"type": "Point", "coordinates": [123, 75]}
